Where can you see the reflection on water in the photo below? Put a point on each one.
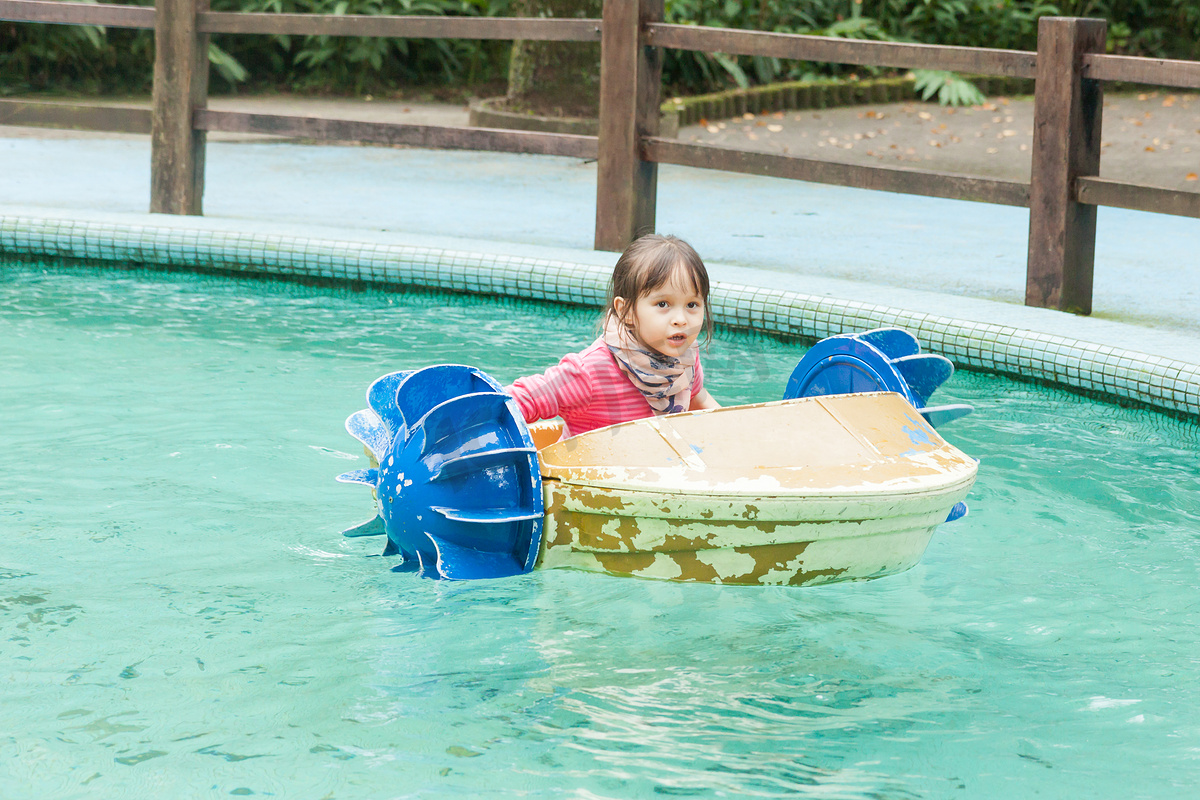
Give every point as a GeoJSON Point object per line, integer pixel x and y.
{"type": "Point", "coordinates": [179, 617]}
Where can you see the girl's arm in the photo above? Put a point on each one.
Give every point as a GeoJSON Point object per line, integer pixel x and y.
{"type": "Point", "coordinates": [702, 399]}
{"type": "Point", "coordinates": [562, 387]}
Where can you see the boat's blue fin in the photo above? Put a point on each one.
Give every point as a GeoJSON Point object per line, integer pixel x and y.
{"type": "Point", "coordinates": [372, 527]}
{"type": "Point", "coordinates": [940, 415]}
{"type": "Point", "coordinates": [368, 428]}
{"type": "Point", "coordinates": [924, 373]}
{"type": "Point", "coordinates": [368, 476]}
{"type": "Point", "coordinates": [464, 563]}
{"type": "Point", "coordinates": [959, 511]}
{"type": "Point", "coordinates": [892, 342]}
{"type": "Point", "coordinates": [392, 549]}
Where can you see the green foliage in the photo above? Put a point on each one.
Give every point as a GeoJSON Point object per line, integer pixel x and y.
{"type": "Point", "coordinates": [46, 57]}
{"type": "Point", "coordinates": [31, 55]}
{"type": "Point", "coordinates": [951, 89]}
{"type": "Point", "coordinates": [360, 64]}
{"type": "Point", "coordinates": [691, 72]}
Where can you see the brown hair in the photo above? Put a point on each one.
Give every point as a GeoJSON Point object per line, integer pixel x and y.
{"type": "Point", "coordinates": [650, 262]}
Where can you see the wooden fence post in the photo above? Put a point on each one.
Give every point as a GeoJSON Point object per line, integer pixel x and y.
{"type": "Point", "coordinates": [180, 85]}
{"type": "Point", "coordinates": [630, 90]}
{"type": "Point", "coordinates": [1066, 146]}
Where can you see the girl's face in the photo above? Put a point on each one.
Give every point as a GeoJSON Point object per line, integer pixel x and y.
{"type": "Point", "coordinates": [669, 318]}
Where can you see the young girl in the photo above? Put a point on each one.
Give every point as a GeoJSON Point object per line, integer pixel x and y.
{"type": "Point", "coordinates": [646, 362]}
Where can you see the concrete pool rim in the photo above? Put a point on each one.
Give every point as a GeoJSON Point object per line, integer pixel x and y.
{"type": "Point", "coordinates": [1102, 370]}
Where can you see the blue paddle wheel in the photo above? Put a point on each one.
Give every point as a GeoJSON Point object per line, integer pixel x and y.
{"type": "Point", "coordinates": [880, 360]}
{"type": "Point", "coordinates": [457, 483]}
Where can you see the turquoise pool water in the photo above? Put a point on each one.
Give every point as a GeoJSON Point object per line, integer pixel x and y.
{"type": "Point", "coordinates": [180, 617]}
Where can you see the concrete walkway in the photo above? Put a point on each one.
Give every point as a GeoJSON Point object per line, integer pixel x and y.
{"type": "Point", "coordinates": [952, 258]}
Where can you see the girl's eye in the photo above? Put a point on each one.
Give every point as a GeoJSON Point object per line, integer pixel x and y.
{"type": "Point", "coordinates": [661, 304]}
{"type": "Point", "coordinates": [693, 304]}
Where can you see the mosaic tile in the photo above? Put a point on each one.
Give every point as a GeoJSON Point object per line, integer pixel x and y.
{"type": "Point", "coordinates": [1152, 380]}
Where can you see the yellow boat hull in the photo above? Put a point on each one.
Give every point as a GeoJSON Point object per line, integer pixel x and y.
{"type": "Point", "coordinates": [797, 492]}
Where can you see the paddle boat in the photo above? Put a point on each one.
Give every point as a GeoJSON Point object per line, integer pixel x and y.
{"type": "Point", "coordinates": [846, 478]}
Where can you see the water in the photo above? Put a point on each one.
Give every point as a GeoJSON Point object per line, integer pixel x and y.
{"type": "Point", "coordinates": [181, 619]}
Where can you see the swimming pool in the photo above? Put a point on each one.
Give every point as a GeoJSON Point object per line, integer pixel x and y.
{"type": "Point", "coordinates": [181, 618]}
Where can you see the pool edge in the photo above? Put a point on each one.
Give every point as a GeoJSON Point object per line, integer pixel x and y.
{"type": "Point", "coordinates": [1106, 371]}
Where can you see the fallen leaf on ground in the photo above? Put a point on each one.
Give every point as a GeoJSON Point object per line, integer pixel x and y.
{"type": "Point", "coordinates": [775, 128]}
{"type": "Point", "coordinates": [1191, 176]}
{"type": "Point", "coordinates": [1149, 149]}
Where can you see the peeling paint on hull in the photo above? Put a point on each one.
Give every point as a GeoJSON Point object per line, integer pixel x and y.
{"type": "Point", "coordinates": [846, 487]}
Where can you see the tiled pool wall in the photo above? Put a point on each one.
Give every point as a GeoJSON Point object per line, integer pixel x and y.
{"type": "Point", "coordinates": [1109, 372]}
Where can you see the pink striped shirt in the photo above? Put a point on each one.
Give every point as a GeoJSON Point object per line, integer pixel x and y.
{"type": "Point", "coordinates": [588, 390]}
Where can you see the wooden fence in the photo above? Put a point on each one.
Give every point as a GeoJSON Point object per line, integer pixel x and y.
{"type": "Point", "coordinates": [1064, 191]}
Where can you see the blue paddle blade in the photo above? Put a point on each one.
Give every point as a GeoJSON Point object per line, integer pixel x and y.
{"type": "Point", "coordinates": [372, 527]}
{"type": "Point", "coordinates": [940, 415]}
{"type": "Point", "coordinates": [924, 373]}
{"type": "Point", "coordinates": [959, 511]}
{"type": "Point", "coordinates": [880, 360]}
{"type": "Point", "coordinates": [477, 419]}
{"type": "Point", "coordinates": [370, 477]}
{"type": "Point", "coordinates": [426, 388]}
{"type": "Point", "coordinates": [465, 563]}
{"type": "Point", "coordinates": [892, 342]}
{"type": "Point", "coordinates": [460, 492]}
{"type": "Point", "coordinates": [845, 365]}
{"type": "Point", "coordinates": [489, 515]}
{"type": "Point", "coordinates": [381, 397]}
{"type": "Point", "coordinates": [368, 428]}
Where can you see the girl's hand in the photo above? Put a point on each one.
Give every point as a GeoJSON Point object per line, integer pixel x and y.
{"type": "Point", "coordinates": [703, 400]}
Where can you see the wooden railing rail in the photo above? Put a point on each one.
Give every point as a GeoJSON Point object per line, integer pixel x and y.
{"type": "Point", "coordinates": [560, 30]}
{"type": "Point", "coordinates": [56, 12]}
{"type": "Point", "coordinates": [1063, 194]}
{"type": "Point", "coordinates": [1152, 71]}
{"type": "Point", "coordinates": [428, 136]}
{"type": "Point", "coordinates": [887, 179]}
{"type": "Point", "coordinates": [114, 119]}
{"type": "Point", "coordinates": [902, 55]}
